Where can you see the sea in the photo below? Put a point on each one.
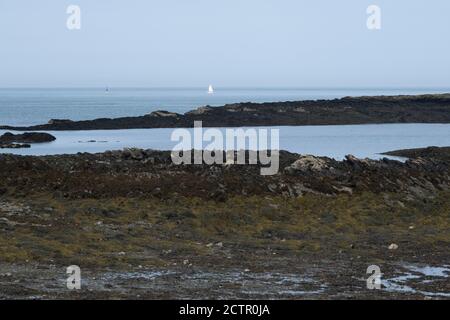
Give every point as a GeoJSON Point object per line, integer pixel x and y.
{"type": "Point", "coordinates": [30, 106]}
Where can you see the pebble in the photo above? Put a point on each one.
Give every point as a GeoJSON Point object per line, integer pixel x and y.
{"type": "Point", "coordinates": [393, 246]}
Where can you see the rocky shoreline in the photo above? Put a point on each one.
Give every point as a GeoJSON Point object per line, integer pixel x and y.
{"type": "Point", "coordinates": [141, 227]}
{"type": "Point", "coordinates": [152, 173]}
{"type": "Point", "coordinates": [349, 110]}
{"type": "Point", "coordinates": [430, 152]}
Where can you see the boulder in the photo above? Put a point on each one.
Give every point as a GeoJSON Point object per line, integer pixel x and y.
{"type": "Point", "coordinates": [27, 137]}
{"type": "Point", "coordinates": [163, 114]}
{"type": "Point", "coordinates": [361, 163]}
{"type": "Point", "coordinates": [309, 163]}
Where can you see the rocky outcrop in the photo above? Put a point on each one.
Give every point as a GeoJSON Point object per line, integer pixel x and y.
{"type": "Point", "coordinates": [150, 173]}
{"type": "Point", "coordinates": [421, 154]}
{"type": "Point", "coordinates": [358, 110]}
{"type": "Point", "coordinates": [27, 137]}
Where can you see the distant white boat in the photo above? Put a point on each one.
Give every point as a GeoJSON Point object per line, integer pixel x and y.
{"type": "Point", "coordinates": [210, 89]}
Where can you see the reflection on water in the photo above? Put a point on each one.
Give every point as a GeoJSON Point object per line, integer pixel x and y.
{"type": "Point", "coordinates": [410, 280]}
{"type": "Point", "coordinates": [224, 284]}
{"type": "Point", "coordinates": [415, 276]}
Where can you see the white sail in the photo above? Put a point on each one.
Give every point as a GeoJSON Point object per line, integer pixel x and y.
{"type": "Point", "coordinates": [210, 89]}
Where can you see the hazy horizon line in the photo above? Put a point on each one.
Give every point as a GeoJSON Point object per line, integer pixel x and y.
{"type": "Point", "coordinates": [230, 87]}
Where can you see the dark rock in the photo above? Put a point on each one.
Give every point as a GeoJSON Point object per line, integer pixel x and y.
{"type": "Point", "coordinates": [422, 155]}
{"type": "Point", "coordinates": [133, 154]}
{"type": "Point", "coordinates": [27, 137]}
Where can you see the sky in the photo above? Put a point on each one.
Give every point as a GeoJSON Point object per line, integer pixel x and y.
{"type": "Point", "coordinates": [228, 43]}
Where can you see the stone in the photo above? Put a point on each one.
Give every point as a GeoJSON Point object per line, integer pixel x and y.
{"type": "Point", "coordinates": [27, 137]}
{"type": "Point", "coordinates": [393, 246]}
{"type": "Point", "coordinates": [162, 114]}
{"type": "Point", "coordinates": [308, 163]}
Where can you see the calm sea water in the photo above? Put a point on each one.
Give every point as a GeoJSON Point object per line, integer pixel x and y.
{"type": "Point", "coordinates": [332, 141]}
{"type": "Point", "coordinates": [37, 106]}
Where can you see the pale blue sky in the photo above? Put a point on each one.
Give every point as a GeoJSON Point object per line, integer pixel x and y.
{"type": "Point", "coordinates": [237, 43]}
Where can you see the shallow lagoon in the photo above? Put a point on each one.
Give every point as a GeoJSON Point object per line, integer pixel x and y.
{"type": "Point", "coordinates": [332, 141]}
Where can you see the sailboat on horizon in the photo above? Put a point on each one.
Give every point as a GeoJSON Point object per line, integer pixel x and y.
{"type": "Point", "coordinates": [210, 89]}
